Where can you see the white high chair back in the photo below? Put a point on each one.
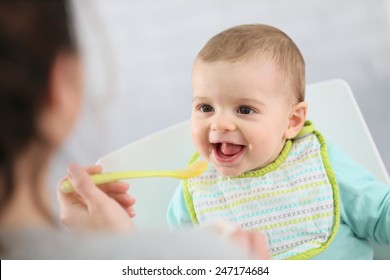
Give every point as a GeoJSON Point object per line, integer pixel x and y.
{"type": "Point", "coordinates": [332, 108]}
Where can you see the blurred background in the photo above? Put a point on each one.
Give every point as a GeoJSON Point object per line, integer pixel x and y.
{"type": "Point", "coordinates": [139, 56]}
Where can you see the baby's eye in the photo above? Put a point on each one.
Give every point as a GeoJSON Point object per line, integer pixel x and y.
{"type": "Point", "coordinates": [205, 108]}
{"type": "Point", "coordinates": [245, 110]}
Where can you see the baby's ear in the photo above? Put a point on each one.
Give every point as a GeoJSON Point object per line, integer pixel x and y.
{"type": "Point", "coordinates": [296, 120]}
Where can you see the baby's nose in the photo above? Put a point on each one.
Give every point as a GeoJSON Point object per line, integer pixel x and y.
{"type": "Point", "coordinates": [222, 123]}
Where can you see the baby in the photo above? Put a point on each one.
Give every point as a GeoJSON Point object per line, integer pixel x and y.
{"type": "Point", "coordinates": [270, 169]}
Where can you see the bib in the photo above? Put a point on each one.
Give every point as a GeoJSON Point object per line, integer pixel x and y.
{"type": "Point", "coordinates": [294, 200]}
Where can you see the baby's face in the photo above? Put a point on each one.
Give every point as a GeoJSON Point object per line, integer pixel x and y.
{"type": "Point", "coordinates": [239, 117]}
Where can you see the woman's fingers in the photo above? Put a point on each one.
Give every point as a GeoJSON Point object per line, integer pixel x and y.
{"type": "Point", "coordinates": [93, 169]}
{"type": "Point", "coordinates": [83, 184]}
{"type": "Point", "coordinates": [130, 211]}
{"type": "Point", "coordinates": [124, 199]}
{"type": "Point", "coordinates": [119, 192]}
{"type": "Point", "coordinates": [254, 243]}
{"type": "Point", "coordinates": [115, 187]}
{"type": "Point", "coordinates": [91, 208]}
{"type": "Point", "coordinates": [260, 245]}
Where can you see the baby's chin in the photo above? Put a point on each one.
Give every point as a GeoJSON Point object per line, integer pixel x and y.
{"type": "Point", "coordinates": [229, 172]}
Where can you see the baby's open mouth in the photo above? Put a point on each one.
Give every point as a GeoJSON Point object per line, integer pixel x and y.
{"type": "Point", "coordinates": [227, 152]}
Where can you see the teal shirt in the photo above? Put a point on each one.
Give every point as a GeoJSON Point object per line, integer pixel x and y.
{"type": "Point", "coordinates": [364, 209]}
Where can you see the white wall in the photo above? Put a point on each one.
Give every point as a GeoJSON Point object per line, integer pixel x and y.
{"type": "Point", "coordinates": [139, 56]}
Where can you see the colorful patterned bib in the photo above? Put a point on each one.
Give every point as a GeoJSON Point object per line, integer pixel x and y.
{"type": "Point", "coordinates": [294, 200]}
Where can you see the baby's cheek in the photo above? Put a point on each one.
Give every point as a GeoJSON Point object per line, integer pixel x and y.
{"type": "Point", "coordinates": [199, 139]}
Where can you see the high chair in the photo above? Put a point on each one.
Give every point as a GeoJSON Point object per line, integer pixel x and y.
{"type": "Point", "coordinates": [331, 107]}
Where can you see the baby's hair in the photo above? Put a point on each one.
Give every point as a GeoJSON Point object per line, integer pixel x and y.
{"type": "Point", "coordinates": [246, 41]}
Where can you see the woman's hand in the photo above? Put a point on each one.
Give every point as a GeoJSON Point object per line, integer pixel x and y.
{"type": "Point", "coordinates": [90, 208]}
{"type": "Point", "coordinates": [253, 243]}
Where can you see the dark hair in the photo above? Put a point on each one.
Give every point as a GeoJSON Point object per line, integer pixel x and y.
{"type": "Point", "coordinates": [32, 34]}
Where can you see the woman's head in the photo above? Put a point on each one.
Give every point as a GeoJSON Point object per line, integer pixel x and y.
{"type": "Point", "coordinates": [39, 82]}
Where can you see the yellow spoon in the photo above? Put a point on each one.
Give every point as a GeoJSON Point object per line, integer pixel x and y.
{"type": "Point", "coordinates": [101, 178]}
